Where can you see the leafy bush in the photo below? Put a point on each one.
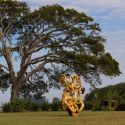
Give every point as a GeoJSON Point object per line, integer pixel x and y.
{"type": "Point", "coordinates": [45, 106]}
{"type": "Point", "coordinates": [19, 106]}
{"type": "Point", "coordinates": [35, 107]}
{"type": "Point", "coordinates": [55, 106]}
{"type": "Point", "coordinates": [88, 105]}
{"type": "Point", "coordinates": [7, 107]}
{"type": "Point", "coordinates": [120, 107]}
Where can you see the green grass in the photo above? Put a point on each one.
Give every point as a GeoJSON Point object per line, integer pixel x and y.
{"type": "Point", "coordinates": [62, 118]}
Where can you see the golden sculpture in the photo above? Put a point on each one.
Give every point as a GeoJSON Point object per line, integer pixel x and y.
{"type": "Point", "coordinates": [71, 97]}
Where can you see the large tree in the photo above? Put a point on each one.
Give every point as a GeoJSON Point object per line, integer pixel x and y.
{"type": "Point", "coordinates": [47, 42]}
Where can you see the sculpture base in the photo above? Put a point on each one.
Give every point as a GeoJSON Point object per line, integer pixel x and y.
{"type": "Point", "coordinates": [74, 114]}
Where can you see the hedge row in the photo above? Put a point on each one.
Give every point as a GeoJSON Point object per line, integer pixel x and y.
{"type": "Point", "coordinates": [27, 105]}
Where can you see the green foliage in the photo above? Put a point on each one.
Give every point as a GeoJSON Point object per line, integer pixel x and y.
{"type": "Point", "coordinates": [45, 106]}
{"type": "Point", "coordinates": [27, 105]}
{"type": "Point", "coordinates": [88, 105]}
{"type": "Point", "coordinates": [20, 106]}
{"type": "Point", "coordinates": [108, 65]}
{"type": "Point", "coordinates": [4, 80]}
{"type": "Point", "coordinates": [96, 102]}
{"type": "Point", "coordinates": [120, 107]}
{"type": "Point", "coordinates": [35, 107]}
{"type": "Point", "coordinates": [7, 107]}
{"type": "Point", "coordinates": [55, 106]}
{"type": "Point", "coordinates": [113, 95]}
{"type": "Point", "coordinates": [12, 13]}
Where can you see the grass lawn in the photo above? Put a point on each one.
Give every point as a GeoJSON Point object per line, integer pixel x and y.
{"type": "Point", "coordinates": [62, 118]}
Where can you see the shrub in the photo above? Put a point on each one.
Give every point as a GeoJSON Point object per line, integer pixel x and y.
{"type": "Point", "coordinates": [88, 105]}
{"type": "Point", "coordinates": [18, 106]}
{"type": "Point", "coordinates": [45, 106]}
{"type": "Point", "coordinates": [55, 106]}
{"type": "Point", "coordinates": [7, 107]}
{"type": "Point", "coordinates": [120, 107]}
{"type": "Point", "coordinates": [35, 107]}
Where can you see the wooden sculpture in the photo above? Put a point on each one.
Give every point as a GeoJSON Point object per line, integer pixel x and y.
{"type": "Point", "coordinates": [71, 97]}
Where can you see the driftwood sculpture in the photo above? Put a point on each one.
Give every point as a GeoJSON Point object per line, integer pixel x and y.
{"type": "Point", "coordinates": [71, 97]}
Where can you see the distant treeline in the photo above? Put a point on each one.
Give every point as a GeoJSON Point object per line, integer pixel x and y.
{"type": "Point", "coordinates": [111, 97]}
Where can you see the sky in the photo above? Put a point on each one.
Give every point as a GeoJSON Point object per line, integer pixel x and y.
{"type": "Point", "coordinates": [110, 14]}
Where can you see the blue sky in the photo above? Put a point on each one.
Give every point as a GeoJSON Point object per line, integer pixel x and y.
{"type": "Point", "coordinates": [110, 14]}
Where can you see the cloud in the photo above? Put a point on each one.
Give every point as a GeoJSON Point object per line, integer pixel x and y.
{"type": "Point", "coordinates": [114, 8]}
{"type": "Point", "coordinates": [97, 5]}
{"type": "Point", "coordinates": [110, 8]}
{"type": "Point", "coordinates": [38, 3]}
{"type": "Point", "coordinates": [116, 46]}
{"type": "Point", "coordinates": [4, 97]}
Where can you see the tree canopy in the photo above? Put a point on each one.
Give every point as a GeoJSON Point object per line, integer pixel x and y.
{"type": "Point", "coordinates": [114, 93]}
{"type": "Point", "coordinates": [46, 42]}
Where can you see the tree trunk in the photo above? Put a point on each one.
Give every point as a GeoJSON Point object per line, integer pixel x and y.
{"type": "Point", "coordinates": [15, 92]}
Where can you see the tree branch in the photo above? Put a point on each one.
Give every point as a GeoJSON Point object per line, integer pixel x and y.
{"type": "Point", "coordinates": [39, 67]}
{"type": "Point", "coordinates": [7, 29]}
{"type": "Point", "coordinates": [42, 58]}
{"type": "Point", "coordinates": [9, 39]}
{"type": "Point", "coordinates": [3, 42]}
{"type": "Point", "coordinates": [8, 58]}
{"type": "Point", "coordinates": [4, 67]}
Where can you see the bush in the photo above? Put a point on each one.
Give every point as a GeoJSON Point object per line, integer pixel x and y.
{"type": "Point", "coordinates": [55, 106]}
{"type": "Point", "coordinates": [88, 105]}
{"type": "Point", "coordinates": [120, 107]}
{"type": "Point", "coordinates": [18, 106]}
{"type": "Point", "coordinates": [45, 106]}
{"type": "Point", "coordinates": [7, 107]}
{"type": "Point", "coordinates": [35, 107]}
